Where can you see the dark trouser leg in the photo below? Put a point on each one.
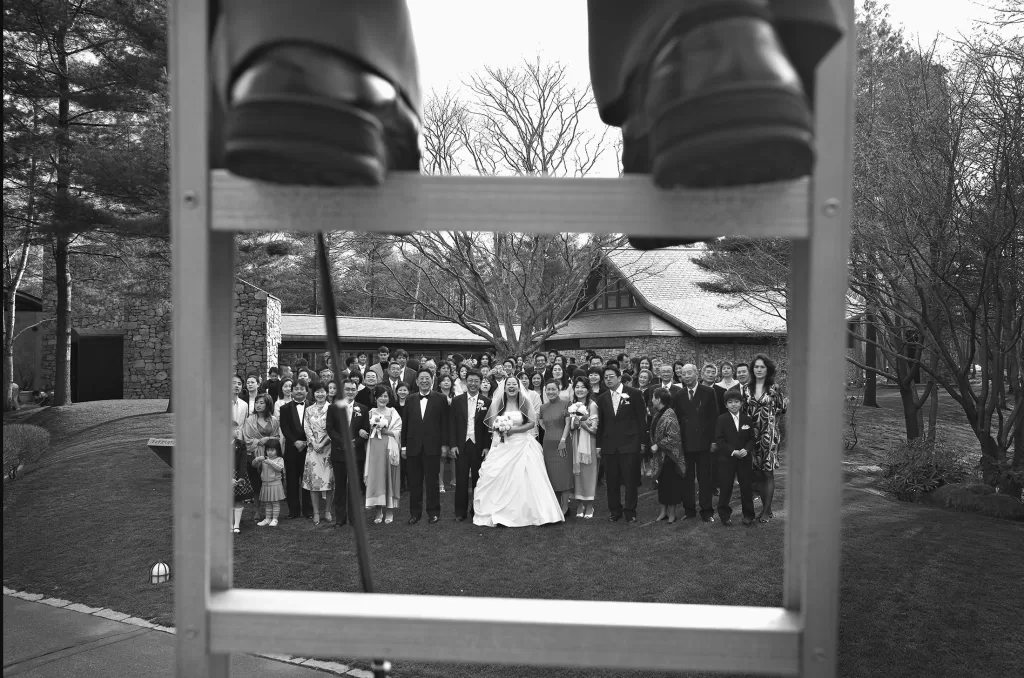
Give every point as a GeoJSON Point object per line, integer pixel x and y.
{"type": "Point", "coordinates": [257, 483]}
{"type": "Point", "coordinates": [704, 486]}
{"type": "Point", "coordinates": [745, 473]}
{"type": "Point", "coordinates": [689, 496]}
{"type": "Point", "coordinates": [375, 33]}
{"type": "Point", "coordinates": [293, 483]}
{"type": "Point", "coordinates": [727, 472]}
{"type": "Point", "coordinates": [715, 460]}
{"type": "Point", "coordinates": [465, 476]}
{"type": "Point", "coordinates": [613, 473]}
{"type": "Point", "coordinates": [431, 469]}
{"type": "Point", "coordinates": [629, 467]}
{"type": "Point", "coordinates": [361, 464]}
{"type": "Point", "coordinates": [341, 492]}
{"type": "Point", "coordinates": [414, 467]}
{"type": "Point", "coordinates": [622, 35]}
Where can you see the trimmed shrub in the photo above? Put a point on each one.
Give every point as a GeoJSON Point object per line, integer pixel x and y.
{"type": "Point", "coordinates": [23, 444]}
{"type": "Point", "coordinates": [913, 468]}
{"type": "Point", "coordinates": [978, 499]}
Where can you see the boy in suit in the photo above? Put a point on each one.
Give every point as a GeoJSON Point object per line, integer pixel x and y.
{"type": "Point", "coordinates": [734, 435]}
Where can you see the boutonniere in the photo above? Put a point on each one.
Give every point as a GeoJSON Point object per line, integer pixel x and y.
{"type": "Point", "coordinates": [480, 406]}
{"type": "Point", "coordinates": [744, 427]}
{"type": "Point", "coordinates": [355, 411]}
{"type": "Point", "coordinates": [624, 397]}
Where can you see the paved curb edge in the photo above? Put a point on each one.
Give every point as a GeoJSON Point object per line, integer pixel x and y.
{"type": "Point", "coordinates": [113, 615]}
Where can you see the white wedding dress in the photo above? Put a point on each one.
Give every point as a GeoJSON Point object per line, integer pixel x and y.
{"type": "Point", "coordinates": [514, 489]}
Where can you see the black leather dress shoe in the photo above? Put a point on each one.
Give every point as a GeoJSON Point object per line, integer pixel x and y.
{"type": "Point", "coordinates": [300, 114]}
{"type": "Point", "coordinates": [614, 518]}
{"type": "Point", "coordinates": [727, 522]}
{"type": "Point", "coordinates": [630, 519]}
{"type": "Point", "coordinates": [748, 521]}
{"type": "Point", "coordinates": [434, 519]}
{"type": "Point", "coordinates": [719, 104]}
{"type": "Point", "coordinates": [341, 523]}
{"type": "Point", "coordinates": [414, 519]}
{"type": "Point", "coordinates": [460, 519]}
{"type": "Point", "coordinates": [709, 519]}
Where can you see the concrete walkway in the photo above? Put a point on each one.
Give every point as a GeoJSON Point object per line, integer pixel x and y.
{"type": "Point", "coordinates": [42, 641]}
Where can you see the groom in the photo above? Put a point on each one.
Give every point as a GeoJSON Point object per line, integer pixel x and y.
{"type": "Point", "coordinates": [470, 439]}
{"type": "Point", "coordinates": [621, 426]}
{"type": "Point", "coordinates": [424, 438]}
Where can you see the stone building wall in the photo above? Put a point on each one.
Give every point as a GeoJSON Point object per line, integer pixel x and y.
{"type": "Point", "coordinates": [146, 328]}
{"type": "Point", "coordinates": [257, 329]}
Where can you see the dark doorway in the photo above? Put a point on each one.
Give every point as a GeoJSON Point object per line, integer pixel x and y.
{"type": "Point", "coordinates": [97, 368]}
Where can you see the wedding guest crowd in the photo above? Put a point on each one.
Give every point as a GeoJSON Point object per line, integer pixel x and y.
{"type": "Point", "coordinates": [417, 426]}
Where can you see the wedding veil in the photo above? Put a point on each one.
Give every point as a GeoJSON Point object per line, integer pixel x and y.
{"type": "Point", "coordinates": [498, 405]}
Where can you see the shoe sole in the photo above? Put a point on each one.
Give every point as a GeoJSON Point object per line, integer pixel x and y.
{"type": "Point", "coordinates": [733, 137]}
{"type": "Point", "coordinates": [305, 141]}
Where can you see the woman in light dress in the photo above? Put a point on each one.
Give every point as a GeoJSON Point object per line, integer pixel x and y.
{"type": "Point", "coordinates": [383, 456]}
{"type": "Point", "coordinates": [514, 489]}
{"type": "Point", "coordinates": [584, 449]}
{"type": "Point", "coordinates": [318, 474]}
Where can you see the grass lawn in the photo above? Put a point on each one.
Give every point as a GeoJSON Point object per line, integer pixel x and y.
{"type": "Point", "coordinates": [925, 592]}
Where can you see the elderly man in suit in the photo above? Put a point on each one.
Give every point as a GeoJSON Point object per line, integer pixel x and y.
{"type": "Point", "coordinates": [425, 436]}
{"type": "Point", "coordinates": [696, 407]}
{"type": "Point", "coordinates": [621, 439]}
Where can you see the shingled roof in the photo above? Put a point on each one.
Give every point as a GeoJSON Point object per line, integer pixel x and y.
{"type": "Point", "coordinates": [395, 330]}
{"type": "Point", "coordinates": [667, 284]}
{"type": "Point", "coordinates": [634, 323]}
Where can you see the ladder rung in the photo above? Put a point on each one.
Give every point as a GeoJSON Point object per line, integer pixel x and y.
{"type": "Point", "coordinates": [413, 202]}
{"type": "Point", "coordinates": [507, 630]}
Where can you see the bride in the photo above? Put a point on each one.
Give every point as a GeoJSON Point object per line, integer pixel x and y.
{"type": "Point", "coordinates": [513, 489]}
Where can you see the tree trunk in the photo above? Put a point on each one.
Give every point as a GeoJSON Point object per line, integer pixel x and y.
{"type": "Point", "coordinates": [933, 413]}
{"type": "Point", "coordinates": [870, 356]}
{"type": "Point", "coordinates": [10, 295]}
{"type": "Point", "coordinates": [910, 410]}
{"type": "Point", "coordinates": [62, 279]}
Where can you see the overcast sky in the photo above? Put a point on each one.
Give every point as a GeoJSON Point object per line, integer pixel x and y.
{"type": "Point", "coordinates": [457, 37]}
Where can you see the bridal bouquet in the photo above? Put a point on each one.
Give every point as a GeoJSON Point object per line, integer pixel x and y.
{"type": "Point", "coordinates": [578, 412]}
{"type": "Point", "coordinates": [378, 422]}
{"type": "Point", "coordinates": [502, 424]}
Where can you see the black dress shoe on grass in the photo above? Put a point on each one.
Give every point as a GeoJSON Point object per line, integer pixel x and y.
{"type": "Point", "coordinates": [434, 519]}
{"type": "Point", "coordinates": [614, 518]}
{"type": "Point", "coordinates": [631, 519]}
{"type": "Point", "coordinates": [299, 114]}
{"type": "Point", "coordinates": [727, 522]}
{"type": "Point", "coordinates": [413, 520]}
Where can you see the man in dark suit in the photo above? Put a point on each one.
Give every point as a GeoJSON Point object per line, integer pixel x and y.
{"type": "Point", "coordinates": [408, 372]}
{"type": "Point", "coordinates": [696, 407]}
{"type": "Point", "coordinates": [470, 439]}
{"type": "Point", "coordinates": [358, 425]}
{"type": "Point", "coordinates": [621, 438]}
{"type": "Point", "coordinates": [734, 436]}
{"type": "Point", "coordinates": [365, 396]}
{"type": "Point", "coordinates": [424, 438]}
{"type": "Point", "coordinates": [292, 420]}
{"type": "Point", "coordinates": [394, 379]}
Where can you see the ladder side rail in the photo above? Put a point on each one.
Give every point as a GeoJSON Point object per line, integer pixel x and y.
{"type": "Point", "coordinates": [819, 281]}
{"type": "Point", "coordinates": [201, 288]}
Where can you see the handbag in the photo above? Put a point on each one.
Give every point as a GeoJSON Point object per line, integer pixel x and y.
{"type": "Point", "coordinates": [243, 488]}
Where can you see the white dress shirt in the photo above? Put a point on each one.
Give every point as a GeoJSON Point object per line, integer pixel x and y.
{"type": "Point", "coordinates": [616, 398]}
{"type": "Point", "coordinates": [423, 404]}
{"type": "Point", "coordinates": [471, 401]}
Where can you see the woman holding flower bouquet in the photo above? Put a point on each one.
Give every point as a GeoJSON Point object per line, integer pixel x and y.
{"type": "Point", "coordinates": [513, 489]}
{"type": "Point", "coordinates": [383, 457]}
{"type": "Point", "coordinates": [582, 429]}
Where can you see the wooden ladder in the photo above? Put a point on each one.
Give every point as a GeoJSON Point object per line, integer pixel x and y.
{"type": "Point", "coordinates": [214, 619]}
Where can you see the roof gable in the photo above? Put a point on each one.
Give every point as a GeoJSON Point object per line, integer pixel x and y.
{"type": "Point", "coordinates": [667, 282]}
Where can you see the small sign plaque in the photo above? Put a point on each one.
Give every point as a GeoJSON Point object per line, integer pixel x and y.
{"type": "Point", "coordinates": [161, 442]}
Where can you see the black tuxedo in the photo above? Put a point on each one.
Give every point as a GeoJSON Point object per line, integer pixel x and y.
{"type": "Point", "coordinates": [423, 435]}
{"type": "Point", "coordinates": [728, 438]}
{"type": "Point", "coordinates": [299, 501]}
{"type": "Point", "coordinates": [365, 397]}
{"type": "Point", "coordinates": [697, 419]}
{"type": "Point", "coordinates": [467, 463]}
{"type": "Point", "coordinates": [359, 422]}
{"type": "Point", "coordinates": [620, 435]}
